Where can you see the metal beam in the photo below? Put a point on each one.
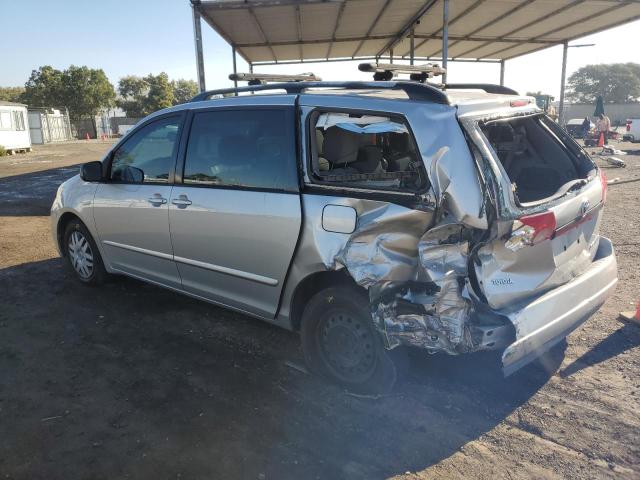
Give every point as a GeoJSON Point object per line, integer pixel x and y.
{"type": "Point", "coordinates": [197, 37]}
{"type": "Point", "coordinates": [407, 26]}
{"type": "Point", "coordinates": [335, 28]}
{"type": "Point", "coordinates": [242, 4]}
{"type": "Point", "coordinates": [502, 72]}
{"type": "Point", "coordinates": [563, 27]}
{"type": "Point", "coordinates": [235, 67]}
{"type": "Point", "coordinates": [506, 14]}
{"type": "Point", "coordinates": [264, 36]}
{"type": "Point", "coordinates": [452, 21]}
{"type": "Point", "coordinates": [412, 43]}
{"type": "Point", "coordinates": [385, 37]}
{"type": "Point", "coordinates": [372, 26]}
{"type": "Point", "coordinates": [299, 30]}
{"type": "Point", "coordinates": [523, 27]}
{"type": "Point", "coordinates": [364, 59]}
{"type": "Point", "coordinates": [445, 38]}
{"type": "Point", "coordinates": [563, 76]}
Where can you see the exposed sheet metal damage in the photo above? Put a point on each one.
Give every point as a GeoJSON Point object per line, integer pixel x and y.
{"type": "Point", "coordinates": [417, 278]}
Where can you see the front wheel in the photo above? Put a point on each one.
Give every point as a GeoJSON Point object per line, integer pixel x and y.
{"type": "Point", "coordinates": [340, 343]}
{"type": "Point", "coordinates": [82, 254]}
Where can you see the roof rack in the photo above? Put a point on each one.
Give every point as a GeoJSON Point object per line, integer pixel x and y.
{"type": "Point", "coordinates": [262, 78]}
{"type": "Point", "coordinates": [417, 73]}
{"type": "Point", "coordinates": [487, 87]}
{"type": "Point", "coordinates": [413, 90]}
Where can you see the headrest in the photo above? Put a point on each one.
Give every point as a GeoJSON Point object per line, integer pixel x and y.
{"type": "Point", "coordinates": [340, 146]}
{"type": "Point", "coordinates": [369, 158]}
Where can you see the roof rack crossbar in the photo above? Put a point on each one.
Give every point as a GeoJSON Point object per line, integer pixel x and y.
{"type": "Point", "coordinates": [487, 87]}
{"type": "Point", "coordinates": [413, 90]}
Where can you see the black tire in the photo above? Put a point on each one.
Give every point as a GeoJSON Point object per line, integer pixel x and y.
{"type": "Point", "coordinates": [82, 254]}
{"type": "Point", "coordinates": [340, 342]}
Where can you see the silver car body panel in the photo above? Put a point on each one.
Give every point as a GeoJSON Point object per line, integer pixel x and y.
{"type": "Point", "coordinates": [235, 246]}
{"type": "Point", "coordinates": [134, 232]}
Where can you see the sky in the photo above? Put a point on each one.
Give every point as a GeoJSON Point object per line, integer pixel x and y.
{"type": "Point", "coordinates": [138, 37]}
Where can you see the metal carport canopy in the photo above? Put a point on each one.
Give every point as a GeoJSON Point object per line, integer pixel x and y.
{"type": "Point", "coordinates": [292, 31]}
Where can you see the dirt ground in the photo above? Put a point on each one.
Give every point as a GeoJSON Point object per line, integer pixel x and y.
{"type": "Point", "coordinates": [132, 381]}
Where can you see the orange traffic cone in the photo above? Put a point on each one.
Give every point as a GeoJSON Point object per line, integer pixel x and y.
{"type": "Point", "coordinates": [601, 140]}
{"type": "Point", "coordinates": [631, 317]}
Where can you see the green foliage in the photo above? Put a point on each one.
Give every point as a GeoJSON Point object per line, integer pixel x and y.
{"type": "Point", "coordinates": [141, 96]}
{"type": "Point", "coordinates": [11, 94]}
{"type": "Point", "coordinates": [615, 82]}
{"type": "Point", "coordinates": [183, 90]}
{"type": "Point", "coordinates": [83, 90]}
{"type": "Point", "coordinates": [3, 152]}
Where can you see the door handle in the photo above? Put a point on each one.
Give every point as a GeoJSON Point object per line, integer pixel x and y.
{"type": "Point", "coordinates": [182, 201]}
{"type": "Point", "coordinates": [156, 200]}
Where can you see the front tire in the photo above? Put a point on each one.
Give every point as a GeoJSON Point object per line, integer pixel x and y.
{"type": "Point", "coordinates": [82, 254]}
{"type": "Point", "coordinates": [340, 342]}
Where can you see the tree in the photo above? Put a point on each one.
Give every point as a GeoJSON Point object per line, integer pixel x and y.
{"type": "Point", "coordinates": [183, 90]}
{"type": "Point", "coordinates": [11, 94]}
{"type": "Point", "coordinates": [140, 96]}
{"type": "Point", "coordinates": [84, 91]}
{"type": "Point", "coordinates": [616, 82]}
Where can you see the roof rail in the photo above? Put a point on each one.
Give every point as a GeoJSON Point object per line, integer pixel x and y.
{"type": "Point", "coordinates": [415, 91]}
{"type": "Point", "coordinates": [487, 87]}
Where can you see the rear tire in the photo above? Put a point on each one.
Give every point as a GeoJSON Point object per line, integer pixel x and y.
{"type": "Point", "coordinates": [82, 254]}
{"type": "Point", "coordinates": [340, 342]}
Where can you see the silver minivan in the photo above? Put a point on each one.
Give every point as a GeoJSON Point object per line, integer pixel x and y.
{"type": "Point", "coordinates": [372, 217]}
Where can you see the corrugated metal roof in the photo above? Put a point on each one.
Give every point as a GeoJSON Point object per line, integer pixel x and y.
{"type": "Point", "coordinates": [304, 30]}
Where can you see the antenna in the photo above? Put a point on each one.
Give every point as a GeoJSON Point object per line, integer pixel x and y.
{"type": "Point", "coordinates": [264, 78]}
{"type": "Point", "coordinates": [386, 71]}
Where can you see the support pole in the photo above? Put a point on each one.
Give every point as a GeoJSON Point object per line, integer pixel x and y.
{"type": "Point", "coordinates": [565, 48]}
{"type": "Point", "coordinates": [412, 47]}
{"type": "Point", "coordinates": [502, 73]}
{"type": "Point", "coordinates": [445, 38]}
{"type": "Point", "coordinates": [197, 37]}
{"type": "Point", "coordinates": [235, 69]}
{"type": "Point", "coordinates": [391, 56]}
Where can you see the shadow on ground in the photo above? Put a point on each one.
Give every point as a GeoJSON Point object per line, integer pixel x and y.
{"type": "Point", "coordinates": [130, 379]}
{"type": "Point", "coordinates": [32, 193]}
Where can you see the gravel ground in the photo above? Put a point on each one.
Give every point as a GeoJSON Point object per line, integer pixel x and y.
{"type": "Point", "coordinates": [132, 381]}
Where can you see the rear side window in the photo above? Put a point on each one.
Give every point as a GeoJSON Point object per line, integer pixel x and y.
{"type": "Point", "coordinates": [242, 148]}
{"type": "Point", "coordinates": [366, 151]}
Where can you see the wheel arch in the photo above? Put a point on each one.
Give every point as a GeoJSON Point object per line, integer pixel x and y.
{"type": "Point", "coordinates": [311, 285]}
{"type": "Point", "coordinates": [63, 221]}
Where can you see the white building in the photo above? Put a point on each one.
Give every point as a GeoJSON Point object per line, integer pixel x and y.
{"type": "Point", "coordinates": [14, 127]}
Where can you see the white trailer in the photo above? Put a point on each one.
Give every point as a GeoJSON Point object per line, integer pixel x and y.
{"type": "Point", "coordinates": [14, 127]}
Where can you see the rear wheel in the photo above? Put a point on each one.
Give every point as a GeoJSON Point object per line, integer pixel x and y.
{"type": "Point", "coordinates": [340, 343]}
{"type": "Point", "coordinates": [82, 254]}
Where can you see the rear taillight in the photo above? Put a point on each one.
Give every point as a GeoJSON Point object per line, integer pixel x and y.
{"type": "Point", "coordinates": [520, 103]}
{"type": "Point", "coordinates": [531, 229]}
{"type": "Point", "coordinates": [603, 182]}
{"type": "Point", "coordinates": [629, 122]}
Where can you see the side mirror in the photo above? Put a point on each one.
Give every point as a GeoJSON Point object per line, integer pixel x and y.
{"type": "Point", "coordinates": [91, 172]}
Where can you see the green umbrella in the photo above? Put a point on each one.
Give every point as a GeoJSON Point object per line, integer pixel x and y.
{"type": "Point", "coordinates": [599, 107]}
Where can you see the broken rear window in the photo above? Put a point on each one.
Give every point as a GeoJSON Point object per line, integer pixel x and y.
{"type": "Point", "coordinates": [539, 159]}
{"type": "Point", "coordinates": [367, 151]}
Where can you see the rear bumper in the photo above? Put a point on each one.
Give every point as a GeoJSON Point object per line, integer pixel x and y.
{"type": "Point", "coordinates": [548, 319]}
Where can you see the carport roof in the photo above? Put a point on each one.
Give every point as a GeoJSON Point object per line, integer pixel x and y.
{"type": "Point", "coordinates": [281, 31]}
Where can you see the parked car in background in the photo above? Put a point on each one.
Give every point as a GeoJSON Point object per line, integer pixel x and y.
{"type": "Point", "coordinates": [371, 217]}
{"type": "Point", "coordinates": [574, 127]}
{"type": "Point", "coordinates": [632, 130]}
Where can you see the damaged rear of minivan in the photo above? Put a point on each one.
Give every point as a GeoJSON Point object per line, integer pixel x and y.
{"type": "Point", "coordinates": [499, 251]}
